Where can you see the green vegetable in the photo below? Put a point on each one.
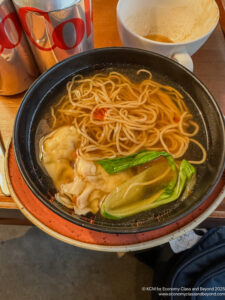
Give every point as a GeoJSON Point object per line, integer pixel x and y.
{"type": "Point", "coordinates": [141, 198]}
{"type": "Point", "coordinates": [118, 164]}
{"type": "Point", "coordinates": [187, 174]}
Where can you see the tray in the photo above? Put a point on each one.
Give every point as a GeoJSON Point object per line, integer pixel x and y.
{"type": "Point", "coordinates": [68, 232]}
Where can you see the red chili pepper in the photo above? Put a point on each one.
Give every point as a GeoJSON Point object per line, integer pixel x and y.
{"type": "Point", "coordinates": [51, 199]}
{"type": "Point", "coordinates": [99, 114]}
{"type": "Point", "coordinates": [176, 118]}
{"type": "Point", "coordinates": [75, 200]}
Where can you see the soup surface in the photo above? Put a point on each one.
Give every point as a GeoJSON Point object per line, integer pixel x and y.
{"type": "Point", "coordinates": [117, 145]}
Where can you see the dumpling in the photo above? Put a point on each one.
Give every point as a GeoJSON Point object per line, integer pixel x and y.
{"type": "Point", "coordinates": [90, 185]}
{"type": "Point", "coordinates": [57, 153]}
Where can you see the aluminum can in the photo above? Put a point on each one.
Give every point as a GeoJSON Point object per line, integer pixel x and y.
{"type": "Point", "coordinates": [17, 67]}
{"type": "Point", "coordinates": [56, 29]}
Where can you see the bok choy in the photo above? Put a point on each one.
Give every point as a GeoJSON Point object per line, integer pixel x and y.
{"type": "Point", "coordinates": [118, 164]}
{"type": "Point", "coordinates": [142, 192]}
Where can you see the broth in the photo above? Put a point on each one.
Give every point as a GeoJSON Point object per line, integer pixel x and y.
{"type": "Point", "coordinates": [68, 162]}
{"type": "Point", "coordinates": [158, 38]}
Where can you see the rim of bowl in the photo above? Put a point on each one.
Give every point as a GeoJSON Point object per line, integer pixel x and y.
{"type": "Point", "coordinates": [105, 228]}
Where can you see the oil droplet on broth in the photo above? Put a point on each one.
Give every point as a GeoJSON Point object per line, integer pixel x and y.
{"type": "Point", "coordinates": [158, 38]}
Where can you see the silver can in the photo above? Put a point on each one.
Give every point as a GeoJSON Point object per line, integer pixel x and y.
{"type": "Point", "coordinates": [56, 29]}
{"type": "Point", "coordinates": [17, 67]}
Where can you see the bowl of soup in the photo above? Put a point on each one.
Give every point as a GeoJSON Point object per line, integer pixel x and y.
{"type": "Point", "coordinates": [120, 140]}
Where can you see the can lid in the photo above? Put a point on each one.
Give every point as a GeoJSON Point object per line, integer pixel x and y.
{"type": "Point", "coordinates": [47, 6]}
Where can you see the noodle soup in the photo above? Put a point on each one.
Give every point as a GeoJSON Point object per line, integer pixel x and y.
{"type": "Point", "coordinates": [117, 146]}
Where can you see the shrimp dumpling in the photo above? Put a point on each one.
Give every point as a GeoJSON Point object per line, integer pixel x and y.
{"type": "Point", "coordinates": [57, 152]}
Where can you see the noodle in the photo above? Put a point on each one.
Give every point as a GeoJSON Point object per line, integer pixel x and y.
{"type": "Point", "coordinates": [116, 117]}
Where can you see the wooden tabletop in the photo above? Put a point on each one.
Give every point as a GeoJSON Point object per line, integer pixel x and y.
{"type": "Point", "coordinates": [209, 66]}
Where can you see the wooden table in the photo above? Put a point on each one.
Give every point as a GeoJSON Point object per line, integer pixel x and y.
{"type": "Point", "coordinates": [209, 64]}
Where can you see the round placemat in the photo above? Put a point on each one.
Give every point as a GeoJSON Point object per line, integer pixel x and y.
{"type": "Point", "coordinates": [68, 232]}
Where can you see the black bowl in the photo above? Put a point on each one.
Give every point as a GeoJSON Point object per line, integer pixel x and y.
{"type": "Point", "coordinates": [51, 85]}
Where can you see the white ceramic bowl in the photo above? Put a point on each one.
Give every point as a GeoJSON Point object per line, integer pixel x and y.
{"type": "Point", "coordinates": [189, 23]}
